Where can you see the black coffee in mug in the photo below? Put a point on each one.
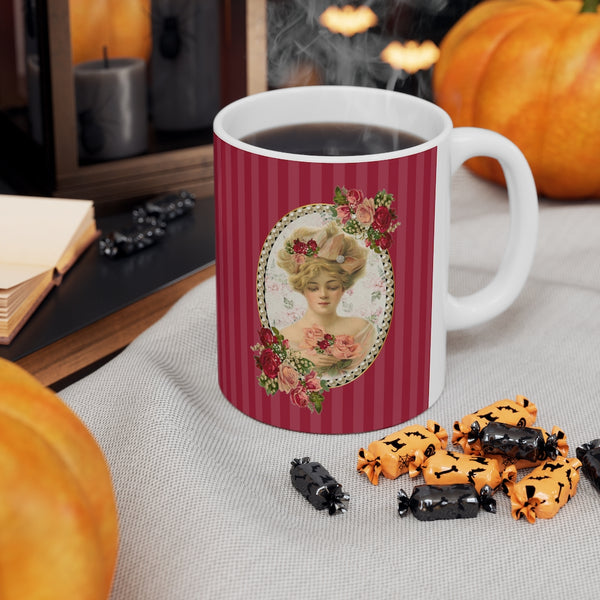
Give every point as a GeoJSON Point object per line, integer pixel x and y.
{"type": "Point", "coordinates": [333, 139]}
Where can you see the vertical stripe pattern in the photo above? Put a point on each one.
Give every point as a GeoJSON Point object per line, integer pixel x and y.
{"type": "Point", "coordinates": [252, 194]}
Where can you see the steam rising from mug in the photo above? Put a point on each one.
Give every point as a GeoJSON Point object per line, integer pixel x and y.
{"type": "Point", "coordinates": [301, 51]}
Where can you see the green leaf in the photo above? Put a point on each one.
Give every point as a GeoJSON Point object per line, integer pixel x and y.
{"type": "Point", "coordinates": [340, 196]}
{"type": "Point", "coordinates": [271, 386]}
{"type": "Point", "coordinates": [303, 365]}
{"type": "Point", "coordinates": [316, 400]}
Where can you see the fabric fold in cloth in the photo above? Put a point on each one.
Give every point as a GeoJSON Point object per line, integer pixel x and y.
{"type": "Point", "coordinates": [205, 501]}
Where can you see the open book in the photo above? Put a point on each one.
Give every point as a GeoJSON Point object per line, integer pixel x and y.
{"type": "Point", "coordinates": [40, 239]}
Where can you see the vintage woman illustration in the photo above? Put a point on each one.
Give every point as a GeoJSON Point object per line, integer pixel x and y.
{"type": "Point", "coordinates": [322, 263]}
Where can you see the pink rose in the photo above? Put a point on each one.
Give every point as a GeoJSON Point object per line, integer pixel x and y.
{"type": "Point", "coordinates": [267, 337]}
{"type": "Point", "coordinates": [345, 347]}
{"type": "Point", "coordinates": [313, 383]}
{"type": "Point", "coordinates": [287, 378]}
{"type": "Point", "coordinates": [299, 396]}
{"type": "Point", "coordinates": [366, 211]}
{"type": "Point", "coordinates": [312, 336]}
{"type": "Point", "coordinates": [299, 259]}
{"type": "Point", "coordinates": [269, 363]}
{"type": "Point", "coordinates": [354, 198]}
{"type": "Point", "coordinates": [344, 213]}
{"type": "Point", "coordinates": [382, 219]}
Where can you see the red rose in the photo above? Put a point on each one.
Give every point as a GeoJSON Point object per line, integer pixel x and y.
{"type": "Point", "coordinates": [385, 241]}
{"type": "Point", "coordinates": [269, 363]}
{"type": "Point", "coordinates": [382, 219]}
{"type": "Point", "coordinates": [299, 247]}
{"type": "Point", "coordinates": [312, 245]}
{"type": "Point", "coordinates": [267, 337]}
{"type": "Point", "coordinates": [323, 344]}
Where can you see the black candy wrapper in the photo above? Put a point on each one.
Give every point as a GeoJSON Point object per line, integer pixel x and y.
{"type": "Point", "coordinates": [315, 483]}
{"type": "Point", "coordinates": [525, 443]}
{"type": "Point", "coordinates": [453, 501]}
{"type": "Point", "coordinates": [589, 455]}
{"type": "Point", "coordinates": [149, 224]}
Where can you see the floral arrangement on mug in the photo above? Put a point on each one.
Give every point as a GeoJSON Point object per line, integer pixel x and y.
{"type": "Point", "coordinates": [343, 348]}
{"type": "Point", "coordinates": [371, 219]}
{"type": "Point", "coordinates": [331, 250]}
{"type": "Point", "coordinates": [284, 370]}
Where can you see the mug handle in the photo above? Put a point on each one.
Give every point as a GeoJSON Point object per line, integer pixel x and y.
{"type": "Point", "coordinates": [498, 295]}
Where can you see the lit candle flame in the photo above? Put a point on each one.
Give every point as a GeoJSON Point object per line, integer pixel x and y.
{"type": "Point", "coordinates": [412, 56]}
{"type": "Point", "coordinates": [348, 20]}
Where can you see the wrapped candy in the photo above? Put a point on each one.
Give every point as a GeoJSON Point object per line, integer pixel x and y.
{"type": "Point", "coordinates": [315, 483]}
{"type": "Point", "coordinates": [589, 455]}
{"type": "Point", "coordinates": [391, 456]}
{"type": "Point", "coordinates": [520, 446]}
{"type": "Point", "coordinates": [445, 467]}
{"type": "Point", "coordinates": [130, 240]}
{"type": "Point", "coordinates": [519, 412]}
{"type": "Point", "coordinates": [454, 501]}
{"type": "Point", "coordinates": [545, 490]}
{"type": "Point", "coordinates": [165, 207]}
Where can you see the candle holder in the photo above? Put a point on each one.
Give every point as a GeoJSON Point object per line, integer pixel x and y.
{"type": "Point", "coordinates": [41, 131]}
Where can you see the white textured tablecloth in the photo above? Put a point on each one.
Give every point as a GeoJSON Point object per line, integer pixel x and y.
{"type": "Point", "coordinates": [206, 506]}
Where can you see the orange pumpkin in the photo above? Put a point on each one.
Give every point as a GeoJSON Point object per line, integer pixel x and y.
{"type": "Point", "coordinates": [530, 70]}
{"type": "Point", "coordinates": [124, 27]}
{"type": "Point", "coordinates": [58, 518]}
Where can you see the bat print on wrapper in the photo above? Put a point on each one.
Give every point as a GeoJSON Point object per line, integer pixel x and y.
{"type": "Point", "coordinates": [520, 412]}
{"type": "Point", "coordinates": [452, 501]}
{"type": "Point", "coordinates": [445, 467]}
{"type": "Point", "coordinates": [316, 484]}
{"type": "Point", "coordinates": [543, 492]}
{"type": "Point", "coordinates": [520, 446]}
{"type": "Point", "coordinates": [391, 456]}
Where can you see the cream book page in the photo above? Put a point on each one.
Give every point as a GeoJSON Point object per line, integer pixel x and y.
{"type": "Point", "coordinates": [36, 232]}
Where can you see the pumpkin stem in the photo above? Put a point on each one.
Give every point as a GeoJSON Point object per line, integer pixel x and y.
{"type": "Point", "coordinates": [590, 6]}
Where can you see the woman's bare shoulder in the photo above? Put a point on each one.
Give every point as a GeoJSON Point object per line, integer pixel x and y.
{"type": "Point", "coordinates": [355, 325]}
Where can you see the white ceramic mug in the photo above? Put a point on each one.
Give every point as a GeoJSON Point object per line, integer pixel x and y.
{"type": "Point", "coordinates": [369, 351]}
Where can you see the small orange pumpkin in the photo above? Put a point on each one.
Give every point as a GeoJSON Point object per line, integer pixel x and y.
{"type": "Point", "coordinates": [124, 27]}
{"type": "Point", "coordinates": [58, 517]}
{"type": "Point", "coordinates": [530, 70]}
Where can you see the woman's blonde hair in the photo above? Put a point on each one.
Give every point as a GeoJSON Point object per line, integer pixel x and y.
{"type": "Point", "coordinates": [337, 253]}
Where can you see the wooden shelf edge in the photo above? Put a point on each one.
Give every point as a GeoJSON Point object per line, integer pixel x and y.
{"type": "Point", "coordinates": [77, 351]}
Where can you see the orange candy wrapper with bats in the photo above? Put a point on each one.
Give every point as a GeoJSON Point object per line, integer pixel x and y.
{"type": "Point", "coordinates": [444, 468]}
{"type": "Point", "coordinates": [543, 492]}
{"type": "Point", "coordinates": [392, 455]}
{"type": "Point", "coordinates": [520, 412]}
